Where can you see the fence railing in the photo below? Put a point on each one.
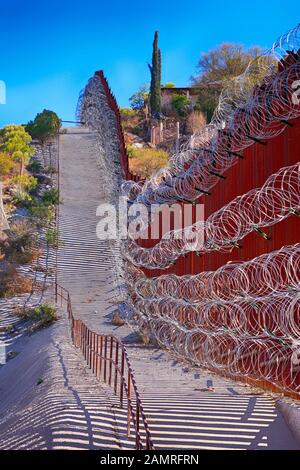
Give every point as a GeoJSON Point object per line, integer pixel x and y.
{"type": "Point", "coordinates": [111, 100]}
{"type": "Point", "coordinates": [106, 356]}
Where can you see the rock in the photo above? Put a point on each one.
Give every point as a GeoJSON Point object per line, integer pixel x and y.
{"type": "Point", "coordinates": [137, 145]}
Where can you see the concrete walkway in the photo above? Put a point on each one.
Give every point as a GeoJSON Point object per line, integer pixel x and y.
{"type": "Point", "coordinates": [186, 407]}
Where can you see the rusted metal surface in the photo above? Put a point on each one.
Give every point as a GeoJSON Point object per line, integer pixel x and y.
{"type": "Point", "coordinates": [256, 163]}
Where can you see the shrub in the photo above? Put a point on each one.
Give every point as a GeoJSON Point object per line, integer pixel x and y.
{"type": "Point", "coordinates": [127, 113]}
{"type": "Point", "coordinates": [25, 182]}
{"type": "Point", "coordinates": [131, 150]}
{"type": "Point", "coordinates": [21, 198]}
{"type": "Point", "coordinates": [15, 141]}
{"type": "Point", "coordinates": [145, 161]}
{"type": "Point", "coordinates": [137, 130]}
{"type": "Point", "coordinates": [20, 228]}
{"type": "Point", "coordinates": [181, 104]}
{"type": "Point", "coordinates": [49, 170]}
{"type": "Point", "coordinates": [31, 254]}
{"type": "Point", "coordinates": [52, 237]}
{"type": "Point", "coordinates": [21, 244]}
{"type": "Point", "coordinates": [34, 166]}
{"type": "Point", "coordinates": [42, 213]}
{"type": "Point", "coordinates": [41, 316]}
{"type": "Point", "coordinates": [6, 164]}
{"type": "Point", "coordinates": [50, 196]}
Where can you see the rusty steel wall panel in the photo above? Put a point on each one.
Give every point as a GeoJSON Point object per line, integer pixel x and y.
{"type": "Point", "coordinates": [258, 164]}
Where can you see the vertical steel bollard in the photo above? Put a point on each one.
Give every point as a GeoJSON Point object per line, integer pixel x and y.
{"type": "Point", "coordinates": [101, 354]}
{"type": "Point", "coordinates": [129, 404]}
{"type": "Point", "coordinates": [122, 377]}
{"type": "Point", "coordinates": [110, 359]}
{"type": "Point", "coordinates": [93, 363]}
{"type": "Point", "coordinates": [97, 355]}
{"type": "Point", "coordinates": [105, 357]}
{"type": "Point", "coordinates": [116, 368]}
{"type": "Point", "coordinates": [137, 426]}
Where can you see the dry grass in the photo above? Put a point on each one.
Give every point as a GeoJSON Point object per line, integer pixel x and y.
{"type": "Point", "coordinates": [21, 244]}
{"type": "Point", "coordinates": [196, 121]}
{"type": "Point", "coordinates": [25, 257]}
{"type": "Point", "coordinates": [146, 161]}
{"type": "Point", "coordinates": [12, 283]}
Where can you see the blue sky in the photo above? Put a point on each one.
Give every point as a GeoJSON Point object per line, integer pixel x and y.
{"type": "Point", "coordinates": [50, 49]}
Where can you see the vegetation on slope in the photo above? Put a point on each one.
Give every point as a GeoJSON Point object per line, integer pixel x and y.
{"type": "Point", "coordinates": [44, 126]}
{"type": "Point", "coordinates": [146, 161]}
{"type": "Point", "coordinates": [29, 200]}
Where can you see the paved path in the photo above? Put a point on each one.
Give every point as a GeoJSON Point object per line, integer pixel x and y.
{"type": "Point", "coordinates": [186, 407]}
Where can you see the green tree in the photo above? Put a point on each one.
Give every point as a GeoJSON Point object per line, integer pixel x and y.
{"type": "Point", "coordinates": [169, 85]}
{"type": "Point", "coordinates": [155, 85]}
{"type": "Point", "coordinates": [15, 141]}
{"type": "Point", "coordinates": [217, 68]}
{"type": "Point", "coordinates": [45, 125]}
{"type": "Point", "coordinates": [181, 104]}
{"type": "Point", "coordinates": [139, 100]}
{"type": "Point", "coordinates": [127, 113]}
{"type": "Point", "coordinates": [25, 182]}
{"type": "Point", "coordinates": [6, 164]}
{"type": "Point", "coordinates": [207, 101]}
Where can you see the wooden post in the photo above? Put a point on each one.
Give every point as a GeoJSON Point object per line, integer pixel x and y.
{"type": "Point", "coordinates": [152, 139]}
{"type": "Point", "coordinates": [192, 142]}
{"type": "Point", "coordinates": [161, 132]}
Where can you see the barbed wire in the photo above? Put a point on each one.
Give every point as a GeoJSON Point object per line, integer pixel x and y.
{"type": "Point", "coordinates": [242, 319]}
{"type": "Point", "coordinates": [276, 200]}
{"type": "Point", "coordinates": [254, 106]}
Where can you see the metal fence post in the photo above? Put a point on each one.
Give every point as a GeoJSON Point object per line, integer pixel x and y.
{"type": "Point", "coordinates": [105, 357]}
{"type": "Point", "coordinates": [129, 404]}
{"type": "Point", "coordinates": [116, 368]}
{"type": "Point", "coordinates": [94, 353]}
{"type": "Point", "coordinates": [101, 354]}
{"type": "Point", "coordinates": [110, 359]}
{"type": "Point", "coordinates": [137, 426]}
